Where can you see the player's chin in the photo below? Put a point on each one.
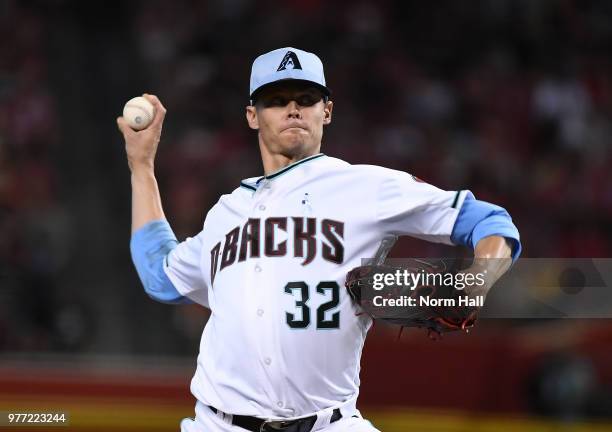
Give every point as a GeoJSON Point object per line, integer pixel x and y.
{"type": "Point", "coordinates": [295, 139]}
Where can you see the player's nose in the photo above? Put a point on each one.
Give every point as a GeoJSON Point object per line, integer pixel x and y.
{"type": "Point", "coordinates": [294, 110]}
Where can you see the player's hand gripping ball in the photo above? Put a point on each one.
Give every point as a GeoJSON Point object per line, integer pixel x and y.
{"type": "Point", "coordinates": [138, 112]}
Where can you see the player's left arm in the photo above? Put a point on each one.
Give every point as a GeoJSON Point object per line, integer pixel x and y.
{"type": "Point", "coordinates": [487, 229]}
{"type": "Point", "coordinates": [408, 206]}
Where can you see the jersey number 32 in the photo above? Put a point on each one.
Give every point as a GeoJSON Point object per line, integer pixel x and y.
{"type": "Point", "coordinates": [325, 319]}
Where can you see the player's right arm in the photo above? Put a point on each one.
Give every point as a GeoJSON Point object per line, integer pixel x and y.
{"type": "Point", "coordinates": [141, 147]}
{"type": "Point", "coordinates": [162, 264]}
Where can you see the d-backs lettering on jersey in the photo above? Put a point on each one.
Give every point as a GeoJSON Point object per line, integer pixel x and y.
{"type": "Point", "coordinates": [246, 241]}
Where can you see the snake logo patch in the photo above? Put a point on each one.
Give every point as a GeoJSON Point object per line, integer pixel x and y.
{"type": "Point", "coordinates": [290, 59]}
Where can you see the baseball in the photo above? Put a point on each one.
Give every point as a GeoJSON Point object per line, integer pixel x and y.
{"type": "Point", "coordinates": [138, 112]}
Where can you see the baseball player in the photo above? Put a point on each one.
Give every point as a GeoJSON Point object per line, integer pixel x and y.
{"type": "Point", "coordinates": [282, 347]}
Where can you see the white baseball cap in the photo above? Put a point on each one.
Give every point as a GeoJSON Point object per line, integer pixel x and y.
{"type": "Point", "coordinates": [287, 64]}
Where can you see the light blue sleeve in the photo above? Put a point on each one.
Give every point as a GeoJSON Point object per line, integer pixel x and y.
{"type": "Point", "coordinates": [150, 246]}
{"type": "Point", "coordinates": [480, 219]}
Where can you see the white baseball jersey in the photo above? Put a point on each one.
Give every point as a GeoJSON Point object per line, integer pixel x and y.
{"type": "Point", "coordinates": [284, 338]}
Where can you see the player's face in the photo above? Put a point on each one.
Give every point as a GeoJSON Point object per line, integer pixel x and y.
{"type": "Point", "coordinates": [290, 118]}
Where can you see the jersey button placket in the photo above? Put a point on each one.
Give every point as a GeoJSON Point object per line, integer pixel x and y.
{"type": "Point", "coordinates": [257, 269]}
{"type": "Point", "coordinates": [263, 190]}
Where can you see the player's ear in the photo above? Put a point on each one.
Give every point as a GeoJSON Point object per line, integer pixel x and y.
{"type": "Point", "coordinates": [251, 116]}
{"type": "Point", "coordinates": [327, 112]}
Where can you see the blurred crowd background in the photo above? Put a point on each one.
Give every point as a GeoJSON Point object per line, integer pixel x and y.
{"type": "Point", "coordinates": [511, 99]}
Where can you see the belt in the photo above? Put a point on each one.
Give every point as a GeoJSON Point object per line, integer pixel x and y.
{"type": "Point", "coordinates": [255, 424]}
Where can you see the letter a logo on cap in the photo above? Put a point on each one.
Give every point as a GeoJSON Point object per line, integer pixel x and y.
{"type": "Point", "coordinates": [289, 59]}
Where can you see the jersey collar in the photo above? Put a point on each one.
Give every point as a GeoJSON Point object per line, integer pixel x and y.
{"type": "Point", "coordinates": [253, 182]}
